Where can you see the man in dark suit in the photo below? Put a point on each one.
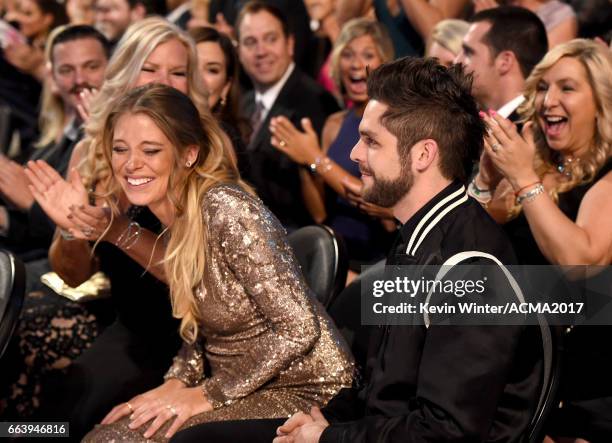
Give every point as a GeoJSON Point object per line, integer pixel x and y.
{"type": "Point", "coordinates": [266, 53]}
{"type": "Point", "coordinates": [500, 58]}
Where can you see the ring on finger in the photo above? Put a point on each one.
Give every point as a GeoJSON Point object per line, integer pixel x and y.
{"type": "Point", "coordinates": [87, 231]}
{"type": "Point", "coordinates": [495, 147]}
{"type": "Point", "coordinates": [171, 409]}
{"type": "Point", "coordinates": [130, 407]}
{"type": "Point", "coordinates": [282, 143]}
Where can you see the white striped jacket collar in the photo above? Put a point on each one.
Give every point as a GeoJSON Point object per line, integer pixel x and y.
{"type": "Point", "coordinates": [430, 215]}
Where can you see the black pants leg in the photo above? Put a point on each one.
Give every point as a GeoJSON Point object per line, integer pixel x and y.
{"type": "Point", "coordinates": [238, 431]}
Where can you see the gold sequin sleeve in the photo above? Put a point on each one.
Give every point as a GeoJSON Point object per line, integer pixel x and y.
{"type": "Point", "coordinates": [188, 365]}
{"type": "Point", "coordinates": [252, 244]}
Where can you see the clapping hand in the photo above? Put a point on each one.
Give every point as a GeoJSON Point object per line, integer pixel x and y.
{"type": "Point", "coordinates": [55, 195]}
{"type": "Point", "coordinates": [86, 97]}
{"type": "Point", "coordinates": [512, 153]}
{"type": "Point", "coordinates": [301, 147]}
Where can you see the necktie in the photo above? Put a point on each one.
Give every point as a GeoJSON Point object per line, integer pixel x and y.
{"type": "Point", "coordinates": [256, 118]}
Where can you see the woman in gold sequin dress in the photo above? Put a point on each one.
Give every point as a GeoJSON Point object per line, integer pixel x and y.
{"type": "Point", "coordinates": [257, 345]}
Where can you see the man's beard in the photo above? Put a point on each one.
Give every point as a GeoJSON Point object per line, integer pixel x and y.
{"type": "Point", "coordinates": [387, 193]}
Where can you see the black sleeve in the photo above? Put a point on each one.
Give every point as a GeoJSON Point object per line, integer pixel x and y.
{"type": "Point", "coordinates": [31, 229]}
{"type": "Point", "coordinates": [461, 378]}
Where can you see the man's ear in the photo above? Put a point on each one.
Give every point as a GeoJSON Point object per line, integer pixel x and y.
{"type": "Point", "coordinates": [505, 62]}
{"type": "Point", "coordinates": [291, 43]}
{"type": "Point", "coordinates": [48, 20]}
{"type": "Point", "coordinates": [424, 154]}
{"type": "Point", "coordinates": [138, 12]}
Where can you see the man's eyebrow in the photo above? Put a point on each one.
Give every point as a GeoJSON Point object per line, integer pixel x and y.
{"type": "Point", "coordinates": [367, 133]}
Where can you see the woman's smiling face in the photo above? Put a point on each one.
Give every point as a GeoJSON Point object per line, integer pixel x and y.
{"type": "Point", "coordinates": [566, 107]}
{"type": "Point", "coordinates": [142, 160]}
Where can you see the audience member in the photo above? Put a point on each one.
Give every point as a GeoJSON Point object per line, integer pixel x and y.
{"type": "Point", "coordinates": [446, 39]}
{"type": "Point", "coordinates": [113, 17]}
{"type": "Point", "coordinates": [78, 57]}
{"type": "Point", "coordinates": [81, 12]}
{"type": "Point", "coordinates": [218, 64]}
{"type": "Point", "coordinates": [594, 18]}
{"type": "Point", "coordinates": [34, 19]}
{"type": "Point", "coordinates": [245, 311]}
{"type": "Point", "coordinates": [266, 51]}
{"type": "Point", "coordinates": [500, 49]}
{"type": "Point", "coordinates": [553, 187]}
{"type": "Point", "coordinates": [143, 338]}
{"type": "Point", "coordinates": [409, 22]}
{"type": "Point", "coordinates": [362, 45]}
{"type": "Point", "coordinates": [558, 17]}
{"type": "Point", "coordinates": [418, 136]}
{"type": "Point", "coordinates": [324, 23]}
{"type": "Point", "coordinates": [22, 65]}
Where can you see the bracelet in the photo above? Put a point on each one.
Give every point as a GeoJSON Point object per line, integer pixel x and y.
{"type": "Point", "coordinates": [530, 195]}
{"type": "Point", "coordinates": [66, 235]}
{"type": "Point", "coordinates": [516, 194]}
{"type": "Point", "coordinates": [321, 164]}
{"type": "Point", "coordinates": [130, 236]}
{"type": "Point", "coordinates": [482, 196]}
{"type": "Point", "coordinates": [477, 190]}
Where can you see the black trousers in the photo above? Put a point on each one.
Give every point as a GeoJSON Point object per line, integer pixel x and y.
{"type": "Point", "coordinates": [118, 366]}
{"type": "Point", "coordinates": [237, 431]}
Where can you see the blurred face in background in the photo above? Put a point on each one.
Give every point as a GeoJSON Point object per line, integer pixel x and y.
{"type": "Point", "coordinates": [566, 108]}
{"type": "Point", "coordinates": [167, 64]}
{"type": "Point", "coordinates": [78, 65]}
{"type": "Point", "coordinates": [113, 17]}
{"type": "Point", "coordinates": [31, 20]}
{"type": "Point", "coordinates": [445, 56]}
{"type": "Point", "coordinates": [359, 54]}
{"type": "Point", "coordinates": [264, 50]}
{"type": "Point", "coordinates": [81, 12]}
{"type": "Point", "coordinates": [319, 9]}
{"type": "Point", "coordinates": [213, 67]}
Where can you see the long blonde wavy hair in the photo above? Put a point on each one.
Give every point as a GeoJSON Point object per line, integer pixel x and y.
{"type": "Point", "coordinates": [186, 251]}
{"type": "Point", "coordinates": [52, 115]}
{"type": "Point", "coordinates": [138, 42]}
{"type": "Point", "coordinates": [597, 62]}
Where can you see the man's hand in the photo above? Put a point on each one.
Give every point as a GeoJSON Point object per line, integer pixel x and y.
{"type": "Point", "coordinates": [302, 428]}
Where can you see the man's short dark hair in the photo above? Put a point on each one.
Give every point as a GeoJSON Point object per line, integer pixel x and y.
{"type": "Point", "coordinates": [80, 32]}
{"type": "Point", "coordinates": [152, 7]}
{"type": "Point", "coordinates": [428, 101]}
{"type": "Point", "coordinates": [515, 29]}
{"type": "Point", "coordinates": [253, 7]}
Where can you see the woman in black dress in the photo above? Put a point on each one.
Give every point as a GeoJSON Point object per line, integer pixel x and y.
{"type": "Point", "coordinates": [551, 187]}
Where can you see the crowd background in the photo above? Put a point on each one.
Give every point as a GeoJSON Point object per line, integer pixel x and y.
{"type": "Point", "coordinates": [289, 104]}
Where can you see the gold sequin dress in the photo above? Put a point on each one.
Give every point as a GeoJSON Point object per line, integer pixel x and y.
{"type": "Point", "coordinates": [270, 348]}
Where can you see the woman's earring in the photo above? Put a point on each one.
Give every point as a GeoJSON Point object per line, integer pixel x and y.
{"type": "Point", "coordinates": [188, 164]}
{"type": "Point", "coordinates": [222, 101]}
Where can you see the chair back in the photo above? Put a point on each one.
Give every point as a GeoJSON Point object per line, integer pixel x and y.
{"type": "Point", "coordinates": [345, 311]}
{"type": "Point", "coordinates": [12, 291]}
{"type": "Point", "coordinates": [322, 258]}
